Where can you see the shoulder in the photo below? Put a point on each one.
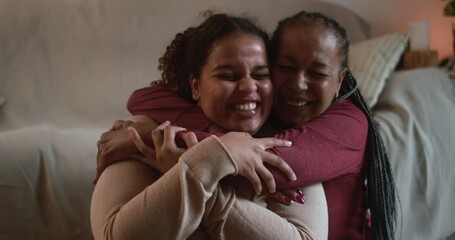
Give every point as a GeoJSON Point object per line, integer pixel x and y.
{"type": "Point", "coordinates": [344, 112]}
{"type": "Point", "coordinates": [155, 91]}
{"type": "Point", "coordinates": [157, 94]}
{"type": "Point", "coordinates": [342, 121]}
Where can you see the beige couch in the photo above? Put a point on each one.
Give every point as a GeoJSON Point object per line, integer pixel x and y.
{"type": "Point", "coordinates": [68, 67]}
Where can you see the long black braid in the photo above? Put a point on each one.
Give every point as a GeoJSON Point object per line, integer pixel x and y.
{"type": "Point", "coordinates": [380, 184]}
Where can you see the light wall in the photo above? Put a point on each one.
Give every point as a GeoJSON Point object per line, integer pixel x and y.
{"type": "Point", "coordinates": [385, 16]}
{"type": "Point", "coordinates": [394, 15]}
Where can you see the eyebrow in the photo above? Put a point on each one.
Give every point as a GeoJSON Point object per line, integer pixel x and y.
{"type": "Point", "coordinates": [230, 67]}
{"type": "Point", "coordinates": [320, 64]}
{"type": "Point", "coordinates": [223, 67]}
{"type": "Point", "coordinates": [315, 64]}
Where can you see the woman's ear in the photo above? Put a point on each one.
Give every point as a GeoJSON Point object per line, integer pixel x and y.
{"type": "Point", "coordinates": [195, 88]}
{"type": "Point", "coordinates": [339, 81]}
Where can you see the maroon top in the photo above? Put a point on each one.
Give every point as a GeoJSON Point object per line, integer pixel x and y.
{"type": "Point", "coordinates": [329, 149]}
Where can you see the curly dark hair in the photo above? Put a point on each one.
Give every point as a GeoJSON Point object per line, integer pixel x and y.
{"type": "Point", "coordinates": [188, 52]}
{"type": "Point", "coordinates": [381, 191]}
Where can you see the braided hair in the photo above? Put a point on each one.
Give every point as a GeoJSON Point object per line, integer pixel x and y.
{"type": "Point", "coordinates": [189, 50]}
{"type": "Point", "coordinates": [380, 183]}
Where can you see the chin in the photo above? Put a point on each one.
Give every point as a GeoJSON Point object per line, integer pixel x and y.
{"type": "Point", "coordinates": [251, 129]}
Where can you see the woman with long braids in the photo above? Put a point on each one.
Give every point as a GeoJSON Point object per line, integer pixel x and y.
{"type": "Point", "coordinates": [335, 138]}
{"type": "Point", "coordinates": [308, 49]}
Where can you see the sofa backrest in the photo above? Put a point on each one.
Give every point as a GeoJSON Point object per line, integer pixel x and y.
{"type": "Point", "coordinates": [75, 63]}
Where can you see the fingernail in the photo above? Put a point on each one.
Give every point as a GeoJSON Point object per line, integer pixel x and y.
{"type": "Point", "coordinates": [293, 177]}
{"type": "Point", "coordinates": [300, 199]}
{"type": "Point", "coordinates": [287, 200]}
{"type": "Point", "coordinates": [287, 143]}
{"type": "Point", "coordinates": [299, 191]}
{"type": "Point", "coordinates": [130, 130]}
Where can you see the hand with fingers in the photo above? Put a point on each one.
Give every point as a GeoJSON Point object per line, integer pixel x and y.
{"type": "Point", "coordinates": [116, 145]}
{"type": "Point", "coordinates": [166, 152]}
{"type": "Point", "coordinates": [249, 154]}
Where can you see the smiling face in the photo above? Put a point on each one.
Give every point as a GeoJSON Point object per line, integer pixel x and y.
{"type": "Point", "coordinates": [234, 89]}
{"type": "Point", "coordinates": [307, 73]}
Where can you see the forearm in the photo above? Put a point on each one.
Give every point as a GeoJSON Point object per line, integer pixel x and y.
{"type": "Point", "coordinates": [249, 220]}
{"type": "Point", "coordinates": [168, 208]}
{"type": "Point", "coordinates": [116, 144]}
{"type": "Point", "coordinates": [311, 217]}
{"type": "Point", "coordinates": [329, 146]}
{"type": "Point", "coordinates": [160, 104]}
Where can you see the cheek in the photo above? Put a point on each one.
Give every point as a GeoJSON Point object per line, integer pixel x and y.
{"type": "Point", "coordinates": [266, 90]}
{"type": "Point", "coordinates": [334, 89]}
{"type": "Point", "coordinates": [207, 96]}
{"type": "Point", "coordinates": [214, 96]}
{"type": "Point", "coordinates": [266, 87]}
{"type": "Point", "coordinates": [326, 94]}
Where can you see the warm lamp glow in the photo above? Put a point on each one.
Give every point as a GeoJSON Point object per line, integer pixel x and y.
{"type": "Point", "coordinates": [419, 35]}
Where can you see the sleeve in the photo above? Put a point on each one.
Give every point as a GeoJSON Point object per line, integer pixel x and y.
{"type": "Point", "coordinates": [227, 216]}
{"type": "Point", "coordinates": [170, 207]}
{"type": "Point", "coordinates": [331, 145]}
{"type": "Point", "coordinates": [249, 220]}
{"type": "Point", "coordinates": [173, 206]}
{"type": "Point", "coordinates": [160, 104]}
{"type": "Point", "coordinates": [311, 217]}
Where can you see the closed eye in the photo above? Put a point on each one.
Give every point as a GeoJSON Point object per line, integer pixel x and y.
{"type": "Point", "coordinates": [318, 75]}
{"type": "Point", "coordinates": [286, 68]}
{"type": "Point", "coordinates": [227, 77]}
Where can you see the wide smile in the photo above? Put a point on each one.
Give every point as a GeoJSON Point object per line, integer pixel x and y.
{"type": "Point", "coordinates": [249, 106]}
{"type": "Point", "coordinates": [296, 103]}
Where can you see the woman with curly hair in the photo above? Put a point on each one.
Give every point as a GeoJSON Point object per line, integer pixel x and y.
{"type": "Point", "coordinates": [225, 61]}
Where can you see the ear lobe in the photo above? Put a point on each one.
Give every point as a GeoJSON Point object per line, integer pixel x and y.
{"type": "Point", "coordinates": [195, 92]}
{"type": "Point", "coordinates": [339, 82]}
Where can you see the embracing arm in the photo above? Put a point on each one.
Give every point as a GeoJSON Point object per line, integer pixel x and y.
{"type": "Point", "coordinates": [331, 145]}
{"type": "Point", "coordinates": [172, 207]}
{"type": "Point", "coordinates": [324, 148]}
{"type": "Point", "coordinates": [130, 202]}
{"type": "Point", "coordinates": [115, 144]}
{"type": "Point", "coordinates": [247, 219]}
{"type": "Point", "coordinates": [160, 104]}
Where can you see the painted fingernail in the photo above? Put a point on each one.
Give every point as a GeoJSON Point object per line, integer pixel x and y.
{"type": "Point", "coordinates": [299, 191]}
{"type": "Point", "coordinates": [287, 143]}
{"type": "Point", "coordinates": [300, 199]}
{"type": "Point", "coordinates": [287, 200]}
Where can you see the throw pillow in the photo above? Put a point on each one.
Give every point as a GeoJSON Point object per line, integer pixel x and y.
{"type": "Point", "coordinates": [373, 60]}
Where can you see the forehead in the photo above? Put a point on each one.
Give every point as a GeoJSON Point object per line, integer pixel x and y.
{"type": "Point", "coordinates": [308, 40]}
{"type": "Point", "coordinates": [315, 35]}
{"type": "Point", "coordinates": [238, 46]}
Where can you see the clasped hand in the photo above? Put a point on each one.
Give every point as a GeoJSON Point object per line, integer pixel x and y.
{"type": "Point", "coordinates": [249, 154]}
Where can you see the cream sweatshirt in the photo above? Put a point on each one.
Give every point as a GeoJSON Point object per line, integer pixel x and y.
{"type": "Point", "coordinates": [132, 201]}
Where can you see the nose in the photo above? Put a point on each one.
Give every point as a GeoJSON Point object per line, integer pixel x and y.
{"type": "Point", "coordinates": [299, 82]}
{"type": "Point", "coordinates": [247, 84]}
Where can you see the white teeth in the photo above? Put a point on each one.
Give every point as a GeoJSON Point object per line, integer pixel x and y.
{"type": "Point", "coordinates": [246, 106]}
{"type": "Point", "coordinates": [295, 104]}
